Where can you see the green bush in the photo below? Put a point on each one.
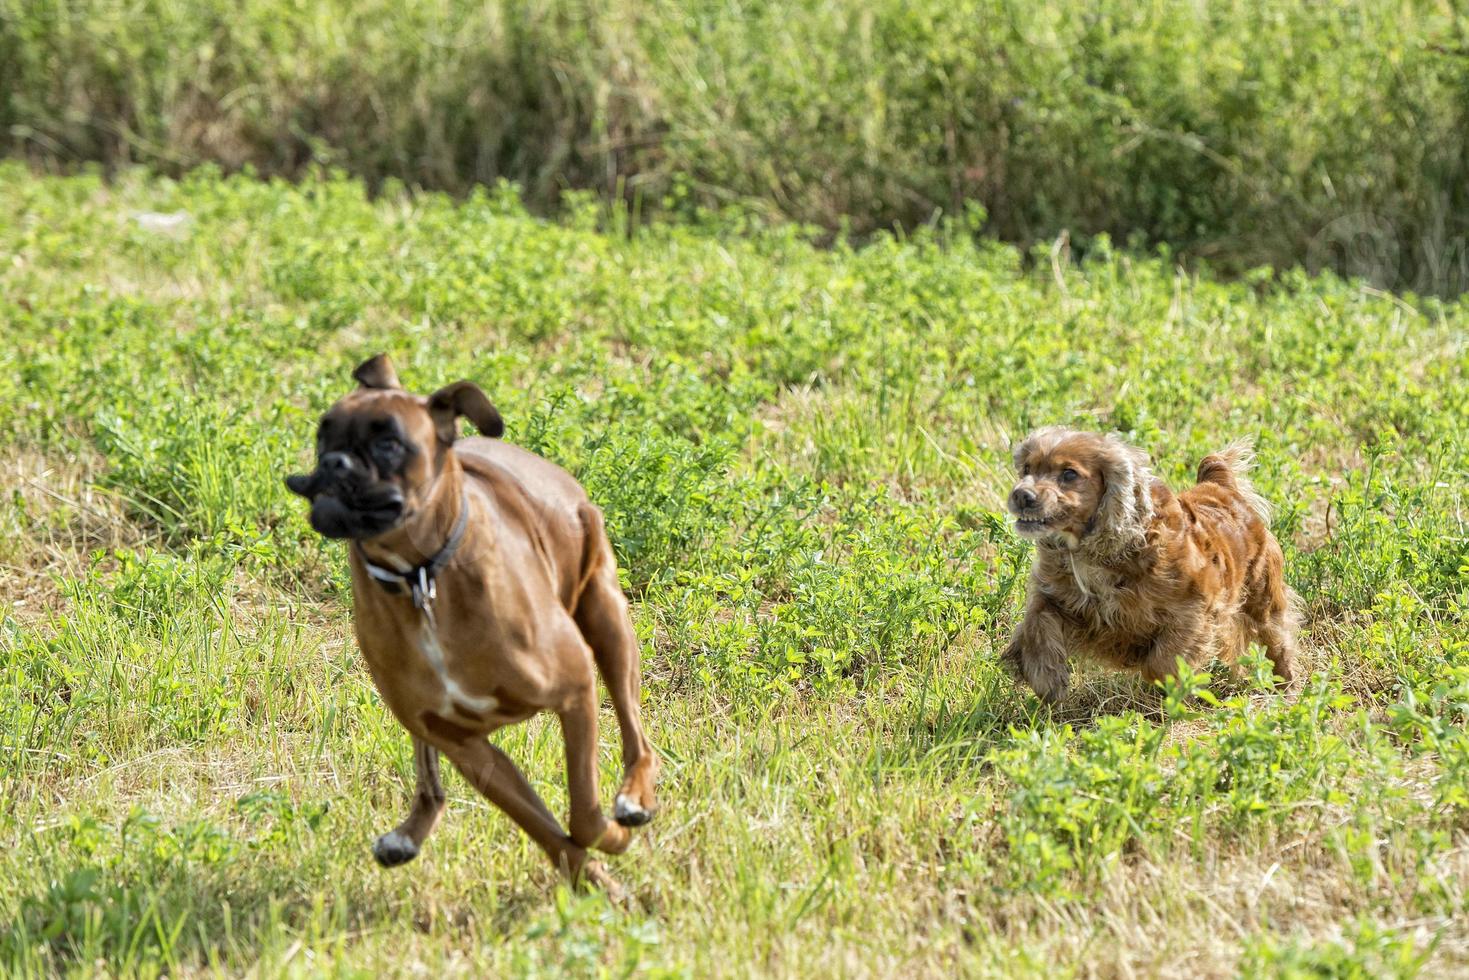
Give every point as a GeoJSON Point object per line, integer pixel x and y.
{"type": "Point", "coordinates": [1244, 132]}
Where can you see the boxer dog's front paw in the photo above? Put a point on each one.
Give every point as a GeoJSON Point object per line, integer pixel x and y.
{"type": "Point", "coordinates": [630, 813]}
{"type": "Point", "coordinates": [393, 849]}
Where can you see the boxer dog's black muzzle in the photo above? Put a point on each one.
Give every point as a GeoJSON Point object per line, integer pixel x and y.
{"type": "Point", "coordinates": [347, 501]}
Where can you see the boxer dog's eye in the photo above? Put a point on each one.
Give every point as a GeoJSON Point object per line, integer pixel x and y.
{"type": "Point", "coordinates": [387, 452]}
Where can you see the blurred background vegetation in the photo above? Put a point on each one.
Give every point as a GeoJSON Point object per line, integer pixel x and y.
{"type": "Point", "coordinates": [1239, 132]}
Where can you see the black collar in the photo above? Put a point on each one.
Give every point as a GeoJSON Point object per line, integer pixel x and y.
{"type": "Point", "coordinates": [419, 580]}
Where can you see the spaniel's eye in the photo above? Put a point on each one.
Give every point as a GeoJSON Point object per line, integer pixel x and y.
{"type": "Point", "coordinates": [1068, 474]}
{"type": "Point", "coordinates": [1025, 470]}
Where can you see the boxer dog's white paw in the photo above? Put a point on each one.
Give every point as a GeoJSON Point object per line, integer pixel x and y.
{"type": "Point", "coordinates": [627, 812]}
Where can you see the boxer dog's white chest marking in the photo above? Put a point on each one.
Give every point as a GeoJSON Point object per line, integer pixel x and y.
{"type": "Point", "coordinates": [433, 652]}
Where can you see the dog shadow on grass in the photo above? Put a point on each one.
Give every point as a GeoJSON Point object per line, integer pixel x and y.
{"type": "Point", "coordinates": [999, 711]}
{"type": "Point", "coordinates": [251, 912]}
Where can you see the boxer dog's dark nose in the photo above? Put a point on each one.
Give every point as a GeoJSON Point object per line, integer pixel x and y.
{"type": "Point", "coordinates": [300, 484]}
{"type": "Point", "coordinates": [1022, 499]}
{"type": "Point", "coordinates": [337, 464]}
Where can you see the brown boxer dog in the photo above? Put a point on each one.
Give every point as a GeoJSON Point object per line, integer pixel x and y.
{"type": "Point", "coordinates": [484, 591]}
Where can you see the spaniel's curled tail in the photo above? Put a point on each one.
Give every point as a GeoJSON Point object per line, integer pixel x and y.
{"type": "Point", "coordinates": [1230, 468]}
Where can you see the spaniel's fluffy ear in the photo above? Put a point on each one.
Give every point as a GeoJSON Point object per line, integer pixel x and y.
{"type": "Point", "coordinates": [1127, 502]}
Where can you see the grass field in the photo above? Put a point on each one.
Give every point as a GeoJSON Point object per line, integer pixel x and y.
{"type": "Point", "coordinates": [802, 455]}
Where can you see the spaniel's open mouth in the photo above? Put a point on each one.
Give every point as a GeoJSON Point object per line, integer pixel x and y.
{"type": "Point", "coordinates": [1031, 523]}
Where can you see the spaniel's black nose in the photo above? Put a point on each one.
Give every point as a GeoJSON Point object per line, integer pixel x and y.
{"type": "Point", "coordinates": [1022, 499]}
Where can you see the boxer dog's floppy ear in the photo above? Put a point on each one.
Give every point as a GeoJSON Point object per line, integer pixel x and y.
{"type": "Point", "coordinates": [463, 398]}
{"type": "Point", "coordinates": [377, 372]}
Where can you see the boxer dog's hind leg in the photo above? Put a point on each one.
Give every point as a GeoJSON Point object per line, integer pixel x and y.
{"type": "Point", "coordinates": [602, 615]}
{"type": "Point", "coordinates": [589, 825]}
{"type": "Point", "coordinates": [500, 781]}
{"type": "Point", "coordinates": [402, 844]}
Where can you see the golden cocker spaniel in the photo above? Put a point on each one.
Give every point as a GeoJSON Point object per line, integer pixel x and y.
{"type": "Point", "coordinates": [1135, 575]}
